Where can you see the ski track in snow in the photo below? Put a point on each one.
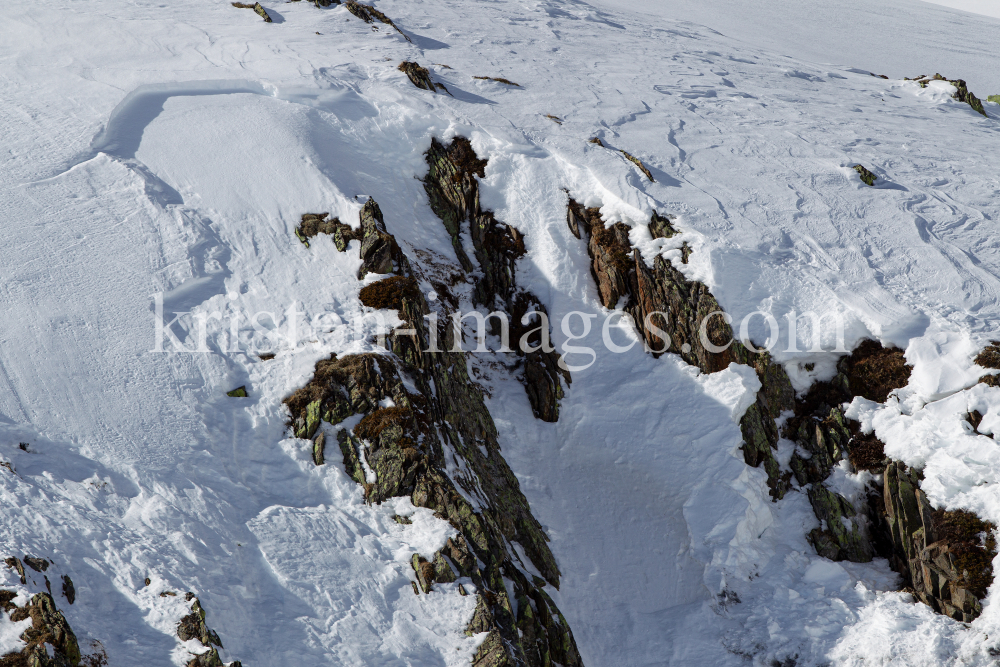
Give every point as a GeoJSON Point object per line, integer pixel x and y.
{"type": "Point", "coordinates": [171, 149]}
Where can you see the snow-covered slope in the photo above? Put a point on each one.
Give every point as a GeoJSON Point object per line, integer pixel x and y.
{"type": "Point", "coordinates": [170, 149]}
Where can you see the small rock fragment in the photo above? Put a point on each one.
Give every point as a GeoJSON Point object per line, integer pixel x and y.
{"type": "Point", "coordinates": [866, 176]}
{"type": "Point", "coordinates": [418, 75]}
{"type": "Point", "coordinates": [498, 80]}
{"type": "Point", "coordinates": [239, 392]}
{"type": "Point", "coordinates": [556, 119]}
{"type": "Point", "coordinates": [165, 594]}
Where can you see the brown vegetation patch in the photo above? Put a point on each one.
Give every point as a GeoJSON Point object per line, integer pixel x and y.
{"type": "Point", "coordinates": [874, 371]}
{"type": "Point", "coordinates": [973, 544]}
{"type": "Point", "coordinates": [375, 422]}
{"type": "Point", "coordinates": [389, 293]}
{"type": "Point", "coordinates": [14, 660]}
{"type": "Point", "coordinates": [990, 356]}
{"type": "Point", "coordinates": [866, 452]}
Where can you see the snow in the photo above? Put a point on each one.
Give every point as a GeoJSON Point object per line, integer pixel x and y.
{"type": "Point", "coordinates": [170, 149]}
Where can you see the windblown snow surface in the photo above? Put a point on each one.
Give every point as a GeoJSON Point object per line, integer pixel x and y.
{"type": "Point", "coordinates": [159, 155]}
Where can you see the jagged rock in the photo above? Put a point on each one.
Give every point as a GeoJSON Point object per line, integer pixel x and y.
{"type": "Point", "coordinates": [319, 446]}
{"type": "Point", "coordinates": [946, 557]}
{"type": "Point", "coordinates": [825, 443]}
{"type": "Point", "coordinates": [637, 162]}
{"type": "Point", "coordinates": [14, 563]}
{"type": "Point", "coordinates": [369, 14]}
{"type": "Point", "coordinates": [662, 298]}
{"type": "Point", "coordinates": [453, 190]}
{"type": "Point", "coordinates": [404, 447]}
{"type": "Point", "coordinates": [68, 589]}
{"type": "Point", "coordinates": [379, 251]}
{"type": "Point", "coordinates": [193, 626]}
{"type": "Point", "coordinates": [866, 176]}
{"type": "Point", "coordinates": [962, 93]}
{"type": "Point", "coordinates": [239, 392]}
{"type": "Point", "coordinates": [418, 75]}
{"type": "Point", "coordinates": [50, 640]}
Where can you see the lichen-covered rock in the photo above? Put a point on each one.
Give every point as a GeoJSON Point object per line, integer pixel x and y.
{"type": "Point", "coordinates": [674, 314]}
{"type": "Point", "coordinates": [843, 534]}
{"type": "Point", "coordinates": [193, 626]}
{"type": "Point", "coordinates": [453, 190]}
{"type": "Point", "coordinates": [314, 224]}
{"type": "Point", "coordinates": [866, 176]}
{"type": "Point", "coordinates": [239, 392]}
{"type": "Point", "coordinates": [50, 640]}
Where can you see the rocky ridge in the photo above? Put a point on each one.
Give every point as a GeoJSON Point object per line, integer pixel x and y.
{"type": "Point", "coordinates": [669, 310]}
{"type": "Point", "coordinates": [405, 449]}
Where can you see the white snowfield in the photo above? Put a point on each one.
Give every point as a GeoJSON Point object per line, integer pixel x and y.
{"type": "Point", "coordinates": [160, 155]}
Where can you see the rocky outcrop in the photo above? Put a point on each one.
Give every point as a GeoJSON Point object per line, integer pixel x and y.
{"type": "Point", "coordinates": [946, 558]}
{"type": "Point", "coordinates": [824, 437]}
{"type": "Point", "coordinates": [369, 14]}
{"type": "Point", "coordinates": [867, 177]}
{"type": "Point", "coordinates": [453, 190]}
{"type": "Point", "coordinates": [441, 423]}
{"type": "Point", "coordinates": [50, 640]}
{"type": "Point", "coordinates": [962, 94]}
{"type": "Point", "coordinates": [671, 312]}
